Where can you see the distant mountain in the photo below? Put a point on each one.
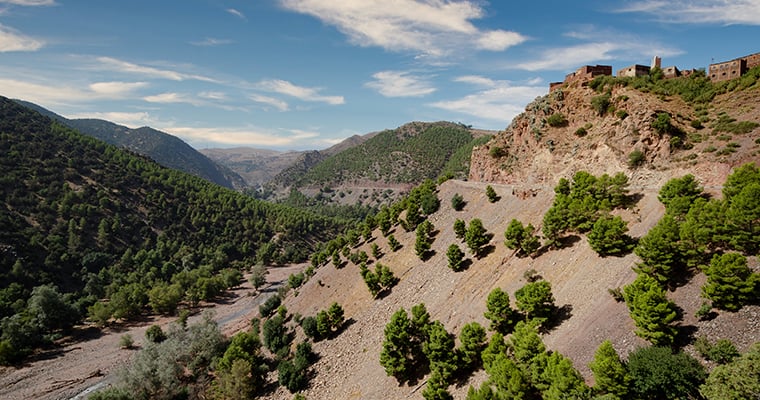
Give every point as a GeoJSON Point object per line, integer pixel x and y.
{"type": "Point", "coordinates": [167, 150]}
{"type": "Point", "coordinates": [374, 168]}
{"type": "Point", "coordinates": [258, 166]}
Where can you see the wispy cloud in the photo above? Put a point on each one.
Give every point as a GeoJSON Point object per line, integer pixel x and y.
{"type": "Point", "coordinates": [210, 42]}
{"type": "Point", "coordinates": [400, 84]}
{"type": "Point", "coordinates": [116, 88]}
{"type": "Point", "coordinates": [240, 136]}
{"type": "Point", "coordinates": [236, 13]}
{"type": "Point", "coordinates": [12, 40]}
{"type": "Point", "coordinates": [55, 93]}
{"type": "Point", "coordinates": [148, 71]}
{"type": "Point", "coordinates": [497, 101]}
{"type": "Point", "coordinates": [299, 92]}
{"type": "Point", "coordinates": [614, 46]}
{"type": "Point", "coordinates": [740, 12]}
{"type": "Point", "coordinates": [270, 101]}
{"type": "Point", "coordinates": [128, 119]}
{"type": "Point", "coordinates": [29, 2]}
{"type": "Point", "coordinates": [432, 27]}
{"type": "Point", "coordinates": [173, 97]}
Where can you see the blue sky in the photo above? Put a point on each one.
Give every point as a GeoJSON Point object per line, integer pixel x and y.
{"type": "Point", "coordinates": [305, 74]}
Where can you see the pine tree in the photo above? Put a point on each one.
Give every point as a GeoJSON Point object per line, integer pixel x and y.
{"type": "Point", "coordinates": [609, 371]}
{"type": "Point", "coordinates": [476, 237]}
{"type": "Point", "coordinates": [651, 310]}
{"type": "Point", "coordinates": [455, 256]}
{"type": "Point", "coordinates": [730, 282]}
{"type": "Point", "coordinates": [439, 350]}
{"type": "Point", "coordinates": [491, 194]}
{"type": "Point", "coordinates": [499, 312]}
{"type": "Point", "coordinates": [472, 340]}
{"type": "Point", "coordinates": [609, 236]}
{"type": "Point", "coordinates": [535, 299]}
{"type": "Point", "coordinates": [397, 356]}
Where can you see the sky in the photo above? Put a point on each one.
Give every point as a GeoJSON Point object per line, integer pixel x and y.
{"type": "Point", "coordinates": [306, 74]}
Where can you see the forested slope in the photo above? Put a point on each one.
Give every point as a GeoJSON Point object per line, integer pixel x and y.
{"type": "Point", "coordinates": [89, 221]}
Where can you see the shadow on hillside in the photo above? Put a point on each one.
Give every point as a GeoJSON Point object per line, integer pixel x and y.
{"type": "Point", "coordinates": [465, 264]}
{"type": "Point", "coordinates": [684, 336]}
{"type": "Point", "coordinates": [568, 241]}
{"type": "Point", "coordinates": [485, 251]}
{"type": "Point", "coordinates": [560, 315]}
{"type": "Point", "coordinates": [633, 199]}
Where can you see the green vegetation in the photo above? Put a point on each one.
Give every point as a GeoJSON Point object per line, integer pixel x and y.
{"type": "Point", "coordinates": [521, 238]}
{"type": "Point", "coordinates": [476, 238]}
{"type": "Point", "coordinates": [491, 194]}
{"type": "Point", "coordinates": [96, 222]}
{"type": "Point", "coordinates": [455, 256]}
{"type": "Point", "coordinates": [730, 282]}
{"type": "Point", "coordinates": [535, 299]}
{"type": "Point", "coordinates": [457, 202]}
{"type": "Point", "coordinates": [651, 310]}
{"type": "Point", "coordinates": [424, 240]}
{"type": "Point", "coordinates": [739, 379]}
{"type": "Point", "coordinates": [379, 280]}
{"type": "Point", "coordinates": [609, 236]}
{"type": "Point", "coordinates": [501, 315]}
{"type": "Point", "coordinates": [601, 103]}
{"type": "Point", "coordinates": [458, 164]}
{"type": "Point", "coordinates": [658, 373]}
{"type": "Point", "coordinates": [610, 373]}
{"type": "Point", "coordinates": [425, 148]}
{"type": "Point", "coordinates": [556, 120]}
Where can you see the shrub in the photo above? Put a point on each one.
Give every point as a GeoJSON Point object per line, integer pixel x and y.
{"type": "Point", "coordinates": [636, 158]}
{"type": "Point", "coordinates": [556, 120]}
{"type": "Point", "coordinates": [600, 103]}
{"type": "Point", "coordinates": [457, 202]}
{"type": "Point", "coordinates": [609, 236]}
{"type": "Point", "coordinates": [658, 373]}
{"type": "Point", "coordinates": [155, 334]}
{"type": "Point", "coordinates": [269, 306]}
{"type": "Point", "coordinates": [581, 132]}
{"type": "Point", "coordinates": [126, 341]}
{"type": "Point", "coordinates": [662, 124]}
{"type": "Point", "coordinates": [622, 114]}
{"type": "Point", "coordinates": [496, 152]}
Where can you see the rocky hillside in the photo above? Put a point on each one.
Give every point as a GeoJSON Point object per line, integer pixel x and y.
{"type": "Point", "coordinates": [650, 138]}
{"type": "Point", "coordinates": [569, 130]}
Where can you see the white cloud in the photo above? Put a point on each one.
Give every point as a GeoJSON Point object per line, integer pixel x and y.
{"type": "Point", "coordinates": [432, 27]}
{"type": "Point", "coordinates": [213, 95]}
{"type": "Point", "coordinates": [498, 102]}
{"type": "Point", "coordinates": [743, 12]}
{"type": "Point", "coordinates": [116, 88]}
{"type": "Point", "coordinates": [12, 40]}
{"type": "Point", "coordinates": [29, 2]}
{"type": "Point", "coordinates": [173, 97]}
{"type": "Point", "coordinates": [152, 72]}
{"type": "Point", "coordinates": [236, 13]}
{"type": "Point", "coordinates": [240, 136]}
{"type": "Point", "coordinates": [271, 101]}
{"type": "Point", "coordinates": [499, 40]}
{"type": "Point", "coordinates": [129, 119]}
{"type": "Point", "coordinates": [299, 92]}
{"type": "Point", "coordinates": [400, 84]}
{"type": "Point", "coordinates": [209, 42]}
{"type": "Point", "coordinates": [615, 46]}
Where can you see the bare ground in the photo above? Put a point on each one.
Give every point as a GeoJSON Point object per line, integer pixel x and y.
{"type": "Point", "coordinates": [90, 358]}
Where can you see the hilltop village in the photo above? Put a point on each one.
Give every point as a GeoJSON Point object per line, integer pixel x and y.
{"type": "Point", "coordinates": [717, 72]}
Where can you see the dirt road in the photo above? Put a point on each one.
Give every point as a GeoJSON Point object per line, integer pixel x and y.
{"type": "Point", "coordinates": [88, 361]}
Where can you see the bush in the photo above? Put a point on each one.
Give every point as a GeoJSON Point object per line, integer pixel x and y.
{"type": "Point", "coordinates": [658, 373]}
{"type": "Point", "coordinates": [581, 132]}
{"type": "Point", "coordinates": [662, 124]}
{"type": "Point", "coordinates": [309, 326]}
{"type": "Point", "coordinates": [457, 202]}
{"type": "Point", "coordinates": [722, 352]}
{"type": "Point", "coordinates": [496, 152]}
{"type": "Point", "coordinates": [636, 158]}
{"type": "Point", "coordinates": [600, 103]}
{"type": "Point", "coordinates": [609, 236]}
{"type": "Point", "coordinates": [622, 114]}
{"type": "Point", "coordinates": [155, 334]}
{"type": "Point", "coordinates": [556, 120]}
{"type": "Point", "coordinates": [126, 341]}
{"type": "Point", "coordinates": [269, 306]}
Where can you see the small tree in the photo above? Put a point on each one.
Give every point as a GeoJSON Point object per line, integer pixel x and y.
{"type": "Point", "coordinates": [439, 350]}
{"type": "Point", "coordinates": [476, 237]}
{"type": "Point", "coordinates": [521, 238]}
{"type": "Point", "coordinates": [393, 243]}
{"type": "Point", "coordinates": [535, 300]}
{"type": "Point", "coordinates": [501, 315]}
{"type": "Point", "coordinates": [423, 240]}
{"type": "Point", "coordinates": [472, 341]}
{"type": "Point", "coordinates": [651, 310]}
{"type": "Point", "coordinates": [460, 228]}
{"type": "Point", "coordinates": [259, 275]}
{"type": "Point", "coordinates": [457, 202]}
{"type": "Point", "coordinates": [455, 256]}
{"type": "Point", "coordinates": [609, 371]}
{"type": "Point", "coordinates": [398, 355]}
{"type": "Point", "coordinates": [730, 283]}
{"type": "Point", "coordinates": [491, 194]}
{"type": "Point", "coordinates": [609, 236]}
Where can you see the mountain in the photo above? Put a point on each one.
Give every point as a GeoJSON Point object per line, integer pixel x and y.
{"type": "Point", "coordinates": [85, 222]}
{"type": "Point", "coordinates": [255, 166]}
{"type": "Point", "coordinates": [381, 165]}
{"type": "Point", "coordinates": [167, 150]}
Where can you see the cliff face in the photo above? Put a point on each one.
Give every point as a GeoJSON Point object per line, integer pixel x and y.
{"type": "Point", "coordinates": [531, 152]}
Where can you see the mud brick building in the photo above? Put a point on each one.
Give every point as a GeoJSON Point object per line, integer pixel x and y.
{"type": "Point", "coordinates": [727, 70]}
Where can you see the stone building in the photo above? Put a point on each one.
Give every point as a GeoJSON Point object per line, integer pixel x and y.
{"type": "Point", "coordinates": [583, 74]}
{"type": "Point", "coordinates": [735, 68]}
{"type": "Point", "coordinates": [634, 70]}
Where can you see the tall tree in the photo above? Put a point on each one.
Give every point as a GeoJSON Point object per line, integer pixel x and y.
{"type": "Point", "coordinates": [730, 282]}
{"type": "Point", "coordinates": [535, 299]}
{"type": "Point", "coordinates": [501, 315]}
{"type": "Point", "coordinates": [610, 373]}
{"type": "Point", "coordinates": [476, 237]}
{"type": "Point", "coordinates": [651, 310]}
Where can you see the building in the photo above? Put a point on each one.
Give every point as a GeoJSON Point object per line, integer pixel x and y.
{"type": "Point", "coordinates": [634, 70]}
{"type": "Point", "coordinates": [583, 74]}
{"type": "Point", "coordinates": [727, 70]}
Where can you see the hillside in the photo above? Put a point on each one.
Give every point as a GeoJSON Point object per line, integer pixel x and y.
{"type": "Point", "coordinates": [167, 150]}
{"type": "Point", "coordinates": [86, 222]}
{"type": "Point", "coordinates": [598, 127]}
{"type": "Point", "coordinates": [530, 158]}
{"type": "Point", "coordinates": [384, 165]}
